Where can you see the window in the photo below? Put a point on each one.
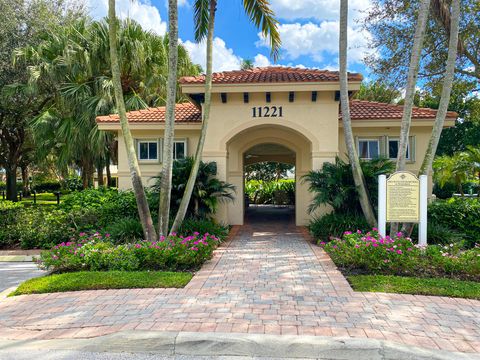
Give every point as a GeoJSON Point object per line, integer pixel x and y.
{"type": "Point", "coordinates": [179, 149]}
{"type": "Point", "coordinates": [368, 149]}
{"type": "Point", "coordinates": [147, 150]}
{"type": "Point", "coordinates": [393, 149]}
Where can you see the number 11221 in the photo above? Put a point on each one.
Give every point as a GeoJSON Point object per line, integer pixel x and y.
{"type": "Point", "coordinates": [267, 111]}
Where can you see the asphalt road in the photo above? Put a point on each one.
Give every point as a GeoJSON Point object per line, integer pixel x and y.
{"type": "Point", "coordinates": [14, 273]}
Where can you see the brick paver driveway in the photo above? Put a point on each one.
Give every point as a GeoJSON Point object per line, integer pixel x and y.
{"type": "Point", "coordinates": [267, 279]}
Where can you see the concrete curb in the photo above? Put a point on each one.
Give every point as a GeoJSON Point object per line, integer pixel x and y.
{"type": "Point", "coordinates": [231, 344]}
{"type": "Point", "coordinates": [16, 258]}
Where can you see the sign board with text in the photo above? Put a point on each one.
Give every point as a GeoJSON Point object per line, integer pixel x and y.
{"type": "Point", "coordinates": [403, 197]}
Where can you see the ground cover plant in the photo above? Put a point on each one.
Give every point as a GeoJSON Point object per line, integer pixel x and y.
{"type": "Point", "coordinates": [368, 253]}
{"type": "Point", "coordinates": [94, 280]}
{"type": "Point", "coordinates": [97, 253]}
{"type": "Point", "coordinates": [413, 285]}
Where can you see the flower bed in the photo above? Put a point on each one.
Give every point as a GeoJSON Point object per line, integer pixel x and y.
{"type": "Point", "coordinates": [371, 254]}
{"type": "Point", "coordinates": [96, 253]}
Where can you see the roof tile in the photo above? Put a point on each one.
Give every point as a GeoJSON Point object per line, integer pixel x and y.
{"type": "Point", "coordinates": [271, 74]}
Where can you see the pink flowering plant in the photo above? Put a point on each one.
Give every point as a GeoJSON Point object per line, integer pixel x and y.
{"type": "Point", "coordinates": [358, 252]}
{"type": "Point", "coordinates": [95, 252]}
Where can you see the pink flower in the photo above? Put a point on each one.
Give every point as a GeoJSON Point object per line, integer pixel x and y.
{"type": "Point", "coordinates": [357, 246]}
{"type": "Point", "coordinates": [347, 233]}
{"type": "Point", "coordinates": [375, 245]}
{"type": "Point", "coordinates": [399, 252]}
{"type": "Point", "coordinates": [375, 229]}
{"type": "Point", "coordinates": [322, 243]}
{"type": "Point", "coordinates": [386, 261]}
{"type": "Point", "coordinates": [359, 231]}
{"type": "Point", "coordinates": [335, 246]}
{"type": "Point", "coordinates": [409, 249]}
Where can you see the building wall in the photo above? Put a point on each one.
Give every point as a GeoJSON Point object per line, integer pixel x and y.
{"type": "Point", "coordinates": [149, 169]}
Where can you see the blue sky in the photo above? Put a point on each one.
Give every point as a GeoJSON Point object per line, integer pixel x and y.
{"type": "Point", "coordinates": [308, 28]}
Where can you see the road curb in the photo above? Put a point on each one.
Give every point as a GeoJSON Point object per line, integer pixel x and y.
{"type": "Point", "coordinates": [246, 345]}
{"type": "Point", "coordinates": [16, 258]}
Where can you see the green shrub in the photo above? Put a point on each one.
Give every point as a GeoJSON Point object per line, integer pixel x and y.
{"type": "Point", "coordinates": [335, 225]}
{"type": "Point", "coordinates": [459, 214]}
{"type": "Point", "coordinates": [441, 234]}
{"type": "Point", "coordinates": [370, 254]}
{"type": "Point", "coordinates": [46, 186]}
{"type": "Point", "coordinates": [96, 253]}
{"type": "Point", "coordinates": [9, 214]}
{"type": "Point", "coordinates": [3, 186]}
{"type": "Point", "coordinates": [208, 190]}
{"type": "Point", "coordinates": [203, 226]}
{"type": "Point", "coordinates": [281, 192]}
{"type": "Point", "coordinates": [125, 230]}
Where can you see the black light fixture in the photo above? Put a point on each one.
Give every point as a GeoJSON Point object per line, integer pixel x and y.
{"type": "Point", "coordinates": [268, 97]}
{"type": "Point", "coordinates": [245, 97]}
{"type": "Point", "coordinates": [291, 96]}
{"type": "Point", "coordinates": [314, 96]}
{"type": "Point", "coordinates": [337, 95]}
{"type": "Point", "coordinates": [224, 97]}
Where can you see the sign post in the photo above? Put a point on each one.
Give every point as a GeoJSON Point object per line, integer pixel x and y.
{"type": "Point", "coordinates": [403, 198]}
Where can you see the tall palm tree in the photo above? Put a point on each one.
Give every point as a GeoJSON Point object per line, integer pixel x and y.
{"type": "Point", "coordinates": [456, 168]}
{"type": "Point", "coordinates": [410, 89]}
{"type": "Point", "coordinates": [137, 184]}
{"type": "Point", "coordinates": [446, 89]}
{"type": "Point", "coordinates": [358, 177]}
{"type": "Point", "coordinates": [167, 161]}
{"type": "Point", "coordinates": [262, 16]}
{"type": "Point", "coordinates": [411, 82]}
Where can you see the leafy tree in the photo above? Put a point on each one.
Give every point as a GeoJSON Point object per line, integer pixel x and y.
{"type": "Point", "coordinates": [262, 16]}
{"type": "Point", "coordinates": [392, 25]}
{"type": "Point", "coordinates": [267, 171]}
{"type": "Point", "coordinates": [23, 23]}
{"type": "Point", "coordinates": [378, 91]}
{"type": "Point", "coordinates": [246, 64]}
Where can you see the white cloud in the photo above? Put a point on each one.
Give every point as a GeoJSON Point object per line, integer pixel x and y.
{"type": "Point", "coordinates": [141, 11]}
{"type": "Point", "coordinates": [261, 61]}
{"type": "Point", "coordinates": [223, 58]}
{"type": "Point", "coordinates": [317, 9]}
{"type": "Point", "coordinates": [319, 41]}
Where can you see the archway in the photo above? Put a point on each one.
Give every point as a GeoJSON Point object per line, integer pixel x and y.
{"type": "Point", "coordinates": [270, 143]}
{"type": "Point", "coordinates": [269, 190]}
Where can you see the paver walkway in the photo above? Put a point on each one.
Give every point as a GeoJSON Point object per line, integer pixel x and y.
{"type": "Point", "coordinates": [267, 279]}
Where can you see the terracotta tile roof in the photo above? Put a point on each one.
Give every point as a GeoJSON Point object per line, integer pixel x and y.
{"type": "Point", "coordinates": [359, 110]}
{"type": "Point", "coordinates": [271, 74]}
{"type": "Point", "coordinates": [370, 110]}
{"type": "Point", "coordinates": [184, 113]}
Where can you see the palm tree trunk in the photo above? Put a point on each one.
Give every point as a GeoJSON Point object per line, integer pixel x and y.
{"type": "Point", "coordinates": [166, 175]}
{"type": "Point", "coordinates": [25, 181]}
{"type": "Point", "coordinates": [446, 90]}
{"type": "Point", "coordinates": [100, 175]}
{"type": "Point", "coordinates": [182, 210]}
{"type": "Point", "coordinates": [411, 82]}
{"type": "Point", "coordinates": [142, 203]}
{"type": "Point", "coordinates": [347, 125]}
{"type": "Point", "coordinates": [410, 90]}
{"type": "Point", "coordinates": [107, 169]}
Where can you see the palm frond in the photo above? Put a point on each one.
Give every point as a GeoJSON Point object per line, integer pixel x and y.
{"type": "Point", "coordinates": [201, 19]}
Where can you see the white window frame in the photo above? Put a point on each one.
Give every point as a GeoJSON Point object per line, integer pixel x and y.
{"type": "Point", "coordinates": [184, 141]}
{"type": "Point", "coordinates": [368, 148]}
{"type": "Point", "coordinates": [142, 141]}
{"type": "Point", "coordinates": [409, 148]}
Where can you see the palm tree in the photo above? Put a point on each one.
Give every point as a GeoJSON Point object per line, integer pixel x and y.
{"type": "Point", "coordinates": [410, 89]}
{"type": "Point", "coordinates": [411, 82]}
{"type": "Point", "coordinates": [142, 203]}
{"type": "Point", "coordinates": [262, 16]}
{"type": "Point", "coordinates": [166, 178]}
{"type": "Point", "coordinates": [473, 154]}
{"type": "Point", "coordinates": [246, 64]}
{"type": "Point", "coordinates": [446, 90]}
{"type": "Point", "coordinates": [358, 177]}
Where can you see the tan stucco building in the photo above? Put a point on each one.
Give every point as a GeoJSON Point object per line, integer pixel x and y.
{"type": "Point", "coordinates": [280, 114]}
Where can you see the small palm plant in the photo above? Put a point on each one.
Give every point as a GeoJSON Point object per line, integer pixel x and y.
{"type": "Point", "coordinates": [208, 190]}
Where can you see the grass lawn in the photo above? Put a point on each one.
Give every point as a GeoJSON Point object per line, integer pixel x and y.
{"type": "Point", "coordinates": [417, 286]}
{"type": "Point", "coordinates": [42, 199]}
{"type": "Point", "coordinates": [95, 280]}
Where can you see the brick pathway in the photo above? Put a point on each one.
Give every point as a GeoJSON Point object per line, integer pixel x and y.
{"type": "Point", "coordinates": [267, 279]}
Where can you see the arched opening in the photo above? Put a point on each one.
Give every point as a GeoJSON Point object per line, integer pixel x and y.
{"type": "Point", "coordinates": [269, 188]}
{"type": "Point", "coordinates": [274, 143]}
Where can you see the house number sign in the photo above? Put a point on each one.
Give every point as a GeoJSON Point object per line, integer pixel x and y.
{"type": "Point", "coordinates": [267, 111]}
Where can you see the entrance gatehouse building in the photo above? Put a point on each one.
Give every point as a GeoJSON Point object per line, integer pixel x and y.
{"type": "Point", "coordinates": [279, 114]}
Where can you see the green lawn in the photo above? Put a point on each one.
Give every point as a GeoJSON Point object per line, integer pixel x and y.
{"type": "Point", "coordinates": [95, 280]}
{"type": "Point", "coordinates": [42, 199]}
{"type": "Point", "coordinates": [417, 286]}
